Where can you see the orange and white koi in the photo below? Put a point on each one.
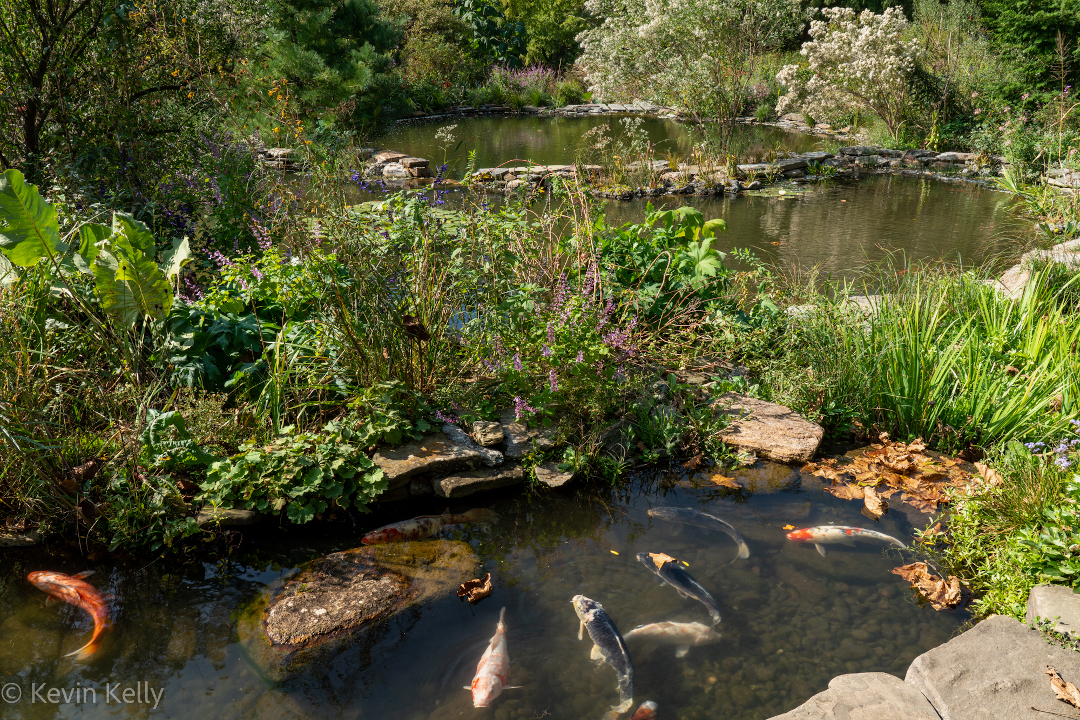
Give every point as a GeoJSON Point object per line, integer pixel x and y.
{"type": "Point", "coordinates": [424, 526]}
{"type": "Point", "coordinates": [493, 670]}
{"type": "Point", "coordinates": [682, 635]}
{"type": "Point", "coordinates": [74, 590]}
{"type": "Point", "coordinates": [832, 534]}
{"type": "Point", "coordinates": [646, 711]}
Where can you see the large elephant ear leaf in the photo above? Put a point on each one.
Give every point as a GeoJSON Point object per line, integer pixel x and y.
{"type": "Point", "coordinates": [29, 230]}
{"type": "Point", "coordinates": [176, 257]}
{"type": "Point", "coordinates": [129, 284]}
{"type": "Point", "coordinates": [90, 237]}
{"type": "Point", "coordinates": [128, 230]}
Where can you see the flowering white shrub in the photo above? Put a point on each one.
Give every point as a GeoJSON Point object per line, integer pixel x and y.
{"type": "Point", "coordinates": [698, 55]}
{"type": "Point", "coordinates": [855, 62]}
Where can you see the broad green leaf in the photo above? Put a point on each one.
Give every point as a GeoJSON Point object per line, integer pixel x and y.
{"type": "Point", "coordinates": [129, 284]}
{"type": "Point", "coordinates": [28, 227]}
{"type": "Point", "coordinates": [90, 234]}
{"type": "Point", "coordinates": [176, 258]}
{"type": "Point", "coordinates": [128, 230]}
{"type": "Point", "coordinates": [712, 226]}
{"type": "Point", "coordinates": [8, 275]}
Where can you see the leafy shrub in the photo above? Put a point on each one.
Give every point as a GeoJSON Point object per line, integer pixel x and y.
{"type": "Point", "coordinates": [296, 474]}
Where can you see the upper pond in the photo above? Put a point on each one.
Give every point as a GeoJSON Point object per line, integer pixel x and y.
{"type": "Point", "coordinates": [791, 619]}
{"type": "Point", "coordinates": [836, 225]}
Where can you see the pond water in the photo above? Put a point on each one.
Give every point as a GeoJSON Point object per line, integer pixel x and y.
{"type": "Point", "coordinates": [557, 140]}
{"type": "Point", "coordinates": [791, 619]}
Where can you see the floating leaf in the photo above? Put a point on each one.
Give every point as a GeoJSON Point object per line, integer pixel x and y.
{"type": "Point", "coordinates": [724, 481]}
{"type": "Point", "coordinates": [660, 559]}
{"type": "Point", "coordinates": [1066, 692]}
{"type": "Point", "coordinates": [874, 505]}
{"type": "Point", "coordinates": [846, 491]}
{"type": "Point", "coordinates": [941, 594]}
{"type": "Point", "coordinates": [475, 590]}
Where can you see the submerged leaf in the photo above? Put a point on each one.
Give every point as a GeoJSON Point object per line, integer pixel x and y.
{"type": "Point", "coordinates": [475, 590]}
{"type": "Point", "coordinates": [941, 594]}
{"type": "Point", "coordinates": [874, 505]}
{"type": "Point", "coordinates": [724, 481]}
{"type": "Point", "coordinates": [846, 491]}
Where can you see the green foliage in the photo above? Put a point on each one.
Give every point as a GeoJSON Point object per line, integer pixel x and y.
{"type": "Point", "coordinates": [299, 475]}
{"type": "Point", "coordinates": [145, 512]}
{"type": "Point", "coordinates": [1032, 30]}
{"type": "Point", "coordinates": [494, 38]}
{"type": "Point", "coordinates": [552, 27]}
{"type": "Point", "coordinates": [28, 226]}
{"type": "Point", "coordinates": [167, 444]}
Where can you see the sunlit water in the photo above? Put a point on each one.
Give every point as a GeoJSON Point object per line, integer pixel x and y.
{"type": "Point", "coordinates": [791, 619]}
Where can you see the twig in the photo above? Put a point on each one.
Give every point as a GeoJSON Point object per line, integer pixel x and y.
{"type": "Point", "coordinates": [1051, 712]}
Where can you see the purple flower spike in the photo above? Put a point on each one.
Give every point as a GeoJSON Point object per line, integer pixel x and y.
{"type": "Point", "coordinates": [553, 381]}
{"type": "Point", "coordinates": [521, 407]}
{"type": "Point", "coordinates": [517, 361]}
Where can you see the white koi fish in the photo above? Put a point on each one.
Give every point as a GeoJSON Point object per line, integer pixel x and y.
{"type": "Point", "coordinates": [493, 669]}
{"type": "Point", "coordinates": [823, 535]}
{"type": "Point", "coordinates": [682, 635]}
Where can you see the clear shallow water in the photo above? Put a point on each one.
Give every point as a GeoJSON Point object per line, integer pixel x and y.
{"type": "Point", "coordinates": [557, 140]}
{"type": "Point", "coordinates": [791, 619]}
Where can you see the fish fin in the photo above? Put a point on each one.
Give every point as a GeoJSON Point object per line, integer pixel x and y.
{"type": "Point", "coordinates": [85, 651]}
{"type": "Point", "coordinates": [624, 705]}
{"type": "Point", "coordinates": [581, 630]}
{"type": "Point", "coordinates": [681, 651]}
{"type": "Point", "coordinates": [682, 592]}
{"type": "Point", "coordinates": [466, 687]}
{"type": "Point", "coordinates": [596, 653]}
{"type": "Point", "coordinates": [50, 601]}
{"type": "Point", "coordinates": [513, 687]}
{"type": "Point", "coordinates": [744, 552]}
{"type": "Point", "coordinates": [848, 541]}
{"type": "Point", "coordinates": [83, 575]}
{"type": "Point", "coordinates": [715, 619]}
{"type": "Point", "coordinates": [820, 549]}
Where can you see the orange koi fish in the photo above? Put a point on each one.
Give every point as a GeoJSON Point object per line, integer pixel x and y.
{"type": "Point", "coordinates": [424, 526]}
{"type": "Point", "coordinates": [647, 711]}
{"type": "Point", "coordinates": [73, 590]}
{"type": "Point", "coordinates": [830, 534]}
{"type": "Point", "coordinates": [493, 669]}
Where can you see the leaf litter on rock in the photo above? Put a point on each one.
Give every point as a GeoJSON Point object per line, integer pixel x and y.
{"type": "Point", "coordinates": [889, 467]}
{"type": "Point", "coordinates": [1066, 691]}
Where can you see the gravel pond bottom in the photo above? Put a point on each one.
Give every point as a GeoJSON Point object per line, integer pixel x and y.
{"type": "Point", "coordinates": [791, 619]}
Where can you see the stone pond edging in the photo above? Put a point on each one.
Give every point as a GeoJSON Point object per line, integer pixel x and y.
{"type": "Point", "coordinates": [997, 669]}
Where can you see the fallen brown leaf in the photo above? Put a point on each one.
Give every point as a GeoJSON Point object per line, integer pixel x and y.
{"type": "Point", "coordinates": [476, 590]}
{"type": "Point", "coordinates": [718, 479]}
{"type": "Point", "coordinates": [874, 506]}
{"type": "Point", "coordinates": [846, 491]}
{"type": "Point", "coordinates": [1066, 692]}
{"type": "Point", "coordinates": [694, 462]}
{"type": "Point", "coordinates": [989, 474]}
{"type": "Point", "coordinates": [941, 594]}
{"type": "Point", "coordinates": [659, 559]}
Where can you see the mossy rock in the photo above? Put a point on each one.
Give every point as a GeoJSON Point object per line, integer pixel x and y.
{"type": "Point", "coordinates": [343, 600]}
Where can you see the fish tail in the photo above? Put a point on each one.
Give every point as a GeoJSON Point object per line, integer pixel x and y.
{"type": "Point", "coordinates": [715, 618]}
{"type": "Point", "coordinates": [625, 702]}
{"type": "Point", "coordinates": [502, 614]}
{"type": "Point", "coordinates": [744, 551]}
{"type": "Point", "coordinates": [86, 650]}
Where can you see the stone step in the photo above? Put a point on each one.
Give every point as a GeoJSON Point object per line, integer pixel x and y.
{"type": "Point", "coordinates": [865, 696]}
{"type": "Point", "coordinates": [771, 431]}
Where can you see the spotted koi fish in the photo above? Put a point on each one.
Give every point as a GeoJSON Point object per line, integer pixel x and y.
{"type": "Point", "coordinates": [823, 535]}
{"type": "Point", "coordinates": [74, 590]}
{"type": "Point", "coordinates": [493, 669]}
{"type": "Point", "coordinates": [424, 526]}
{"type": "Point", "coordinates": [682, 635]}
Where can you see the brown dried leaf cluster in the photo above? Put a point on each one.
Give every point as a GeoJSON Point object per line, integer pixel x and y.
{"type": "Point", "coordinates": [1066, 692]}
{"type": "Point", "coordinates": [476, 590]}
{"type": "Point", "coordinates": [889, 467]}
{"type": "Point", "coordinates": [941, 594]}
{"type": "Point", "coordinates": [660, 559]}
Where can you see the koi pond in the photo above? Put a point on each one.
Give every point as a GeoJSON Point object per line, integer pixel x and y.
{"type": "Point", "coordinates": [834, 225]}
{"type": "Point", "coordinates": [791, 619]}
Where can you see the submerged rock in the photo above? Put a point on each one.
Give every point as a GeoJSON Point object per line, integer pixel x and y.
{"type": "Point", "coordinates": [865, 696]}
{"type": "Point", "coordinates": [772, 431]}
{"type": "Point", "coordinates": [342, 600]}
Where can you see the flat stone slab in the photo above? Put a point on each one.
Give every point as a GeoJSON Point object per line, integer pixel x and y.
{"type": "Point", "coordinates": [474, 481]}
{"type": "Point", "coordinates": [226, 517]}
{"type": "Point", "coordinates": [1057, 603]}
{"type": "Point", "coordinates": [549, 474]}
{"type": "Point", "coordinates": [436, 453]}
{"type": "Point", "coordinates": [19, 539]}
{"type": "Point", "coordinates": [772, 431]}
{"type": "Point", "coordinates": [993, 671]}
{"type": "Point", "coordinates": [865, 696]}
{"type": "Point", "coordinates": [489, 457]}
{"type": "Point", "coordinates": [520, 438]}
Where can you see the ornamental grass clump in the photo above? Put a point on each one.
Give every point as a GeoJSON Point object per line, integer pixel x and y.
{"type": "Point", "coordinates": [853, 62]}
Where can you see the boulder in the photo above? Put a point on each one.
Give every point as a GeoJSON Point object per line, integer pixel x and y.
{"type": "Point", "coordinates": [1015, 279]}
{"type": "Point", "coordinates": [956, 157]}
{"type": "Point", "coordinates": [858, 150]}
{"type": "Point", "coordinates": [489, 457]}
{"type": "Point", "coordinates": [19, 539]}
{"type": "Point", "coordinates": [487, 433]}
{"type": "Point", "coordinates": [395, 170]}
{"type": "Point", "coordinates": [865, 696]}
{"type": "Point", "coordinates": [520, 439]}
{"type": "Point", "coordinates": [795, 117]}
{"type": "Point", "coordinates": [997, 669]}
{"type": "Point", "coordinates": [436, 453]}
{"type": "Point", "coordinates": [549, 474]}
{"type": "Point", "coordinates": [474, 481]}
{"type": "Point", "coordinates": [342, 601]}
{"type": "Point", "coordinates": [387, 156]}
{"type": "Point", "coordinates": [1057, 603]}
{"type": "Point", "coordinates": [226, 517]}
{"type": "Point", "coordinates": [771, 431]}
{"type": "Point", "coordinates": [817, 156]}
{"type": "Point", "coordinates": [412, 162]}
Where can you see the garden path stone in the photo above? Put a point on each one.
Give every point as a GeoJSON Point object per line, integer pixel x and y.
{"type": "Point", "coordinates": [435, 453]}
{"type": "Point", "coordinates": [19, 539]}
{"type": "Point", "coordinates": [489, 457]}
{"type": "Point", "coordinates": [520, 439]}
{"type": "Point", "coordinates": [487, 433]}
{"type": "Point", "coordinates": [226, 517]}
{"type": "Point", "coordinates": [1058, 603]}
{"type": "Point", "coordinates": [549, 474]}
{"type": "Point", "coordinates": [865, 696]}
{"type": "Point", "coordinates": [474, 481]}
{"type": "Point", "coordinates": [772, 431]}
{"type": "Point", "coordinates": [995, 670]}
